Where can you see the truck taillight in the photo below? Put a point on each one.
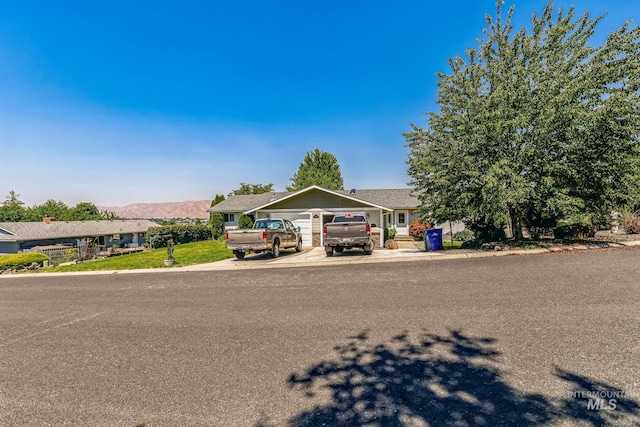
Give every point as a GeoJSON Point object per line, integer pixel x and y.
{"type": "Point", "coordinates": [324, 230]}
{"type": "Point", "coordinates": [264, 235]}
{"type": "Point", "coordinates": [368, 229]}
{"type": "Point", "coordinates": [226, 236]}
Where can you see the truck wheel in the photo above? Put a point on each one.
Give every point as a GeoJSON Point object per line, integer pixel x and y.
{"type": "Point", "coordinates": [368, 249]}
{"type": "Point", "coordinates": [329, 251]}
{"type": "Point", "coordinates": [299, 246]}
{"type": "Point", "coordinates": [275, 251]}
{"type": "Point", "coordinates": [239, 254]}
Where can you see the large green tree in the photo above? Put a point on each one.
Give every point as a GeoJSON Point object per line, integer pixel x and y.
{"type": "Point", "coordinates": [533, 125]}
{"type": "Point", "coordinates": [85, 211]}
{"type": "Point", "coordinates": [12, 209]}
{"type": "Point", "coordinates": [319, 168]}
{"type": "Point", "coordinates": [251, 189]}
{"type": "Point", "coordinates": [51, 208]}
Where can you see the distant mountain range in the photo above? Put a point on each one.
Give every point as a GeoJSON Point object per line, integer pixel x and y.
{"type": "Point", "coordinates": [188, 209]}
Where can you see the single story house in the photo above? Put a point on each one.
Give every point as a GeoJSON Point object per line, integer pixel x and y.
{"type": "Point", "coordinates": [16, 237]}
{"type": "Point", "coordinates": [313, 206]}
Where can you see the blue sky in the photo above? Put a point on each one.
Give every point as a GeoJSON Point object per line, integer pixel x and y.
{"type": "Point", "coordinates": [123, 102]}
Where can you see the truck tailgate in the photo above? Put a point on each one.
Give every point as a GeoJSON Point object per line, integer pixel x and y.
{"type": "Point", "coordinates": [345, 230]}
{"type": "Point", "coordinates": [243, 237]}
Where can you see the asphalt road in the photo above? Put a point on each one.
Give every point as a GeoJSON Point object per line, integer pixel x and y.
{"type": "Point", "coordinates": [493, 341]}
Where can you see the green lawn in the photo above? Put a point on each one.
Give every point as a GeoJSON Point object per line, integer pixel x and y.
{"type": "Point", "coordinates": [187, 254]}
{"type": "Point", "coordinates": [446, 245]}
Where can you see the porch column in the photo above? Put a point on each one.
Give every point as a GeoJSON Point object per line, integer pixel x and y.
{"type": "Point", "coordinates": [381, 225]}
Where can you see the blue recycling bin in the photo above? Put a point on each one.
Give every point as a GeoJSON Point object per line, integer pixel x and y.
{"type": "Point", "coordinates": [433, 239]}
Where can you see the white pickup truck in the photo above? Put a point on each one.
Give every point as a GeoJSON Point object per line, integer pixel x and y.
{"type": "Point", "coordinates": [267, 235]}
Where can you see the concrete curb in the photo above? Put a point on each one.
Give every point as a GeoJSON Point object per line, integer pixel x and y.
{"type": "Point", "coordinates": [309, 259]}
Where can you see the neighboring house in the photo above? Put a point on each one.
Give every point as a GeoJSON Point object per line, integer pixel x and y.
{"type": "Point", "coordinates": [19, 236]}
{"type": "Point", "coordinates": [313, 206]}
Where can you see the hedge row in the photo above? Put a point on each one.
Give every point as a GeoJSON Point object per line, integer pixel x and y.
{"type": "Point", "coordinates": [181, 233]}
{"type": "Point", "coordinates": [17, 261]}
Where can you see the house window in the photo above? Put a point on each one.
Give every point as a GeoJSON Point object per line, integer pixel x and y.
{"type": "Point", "coordinates": [229, 217]}
{"type": "Point", "coordinates": [400, 218]}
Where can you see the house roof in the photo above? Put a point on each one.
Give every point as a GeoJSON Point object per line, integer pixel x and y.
{"type": "Point", "coordinates": [26, 231]}
{"type": "Point", "coordinates": [395, 198]}
{"type": "Point", "coordinates": [389, 199]}
{"type": "Point", "coordinates": [315, 187]}
{"type": "Point", "coordinates": [245, 202]}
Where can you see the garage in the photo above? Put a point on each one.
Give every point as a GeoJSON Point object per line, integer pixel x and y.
{"type": "Point", "coordinates": [310, 208]}
{"type": "Point", "coordinates": [301, 220]}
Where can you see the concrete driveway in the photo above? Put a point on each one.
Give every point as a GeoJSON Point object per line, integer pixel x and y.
{"type": "Point", "coordinates": [317, 256]}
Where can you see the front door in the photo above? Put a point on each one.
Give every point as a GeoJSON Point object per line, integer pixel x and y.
{"type": "Point", "coordinates": [402, 223]}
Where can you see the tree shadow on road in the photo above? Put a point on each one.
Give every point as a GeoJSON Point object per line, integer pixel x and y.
{"type": "Point", "coordinates": [432, 380]}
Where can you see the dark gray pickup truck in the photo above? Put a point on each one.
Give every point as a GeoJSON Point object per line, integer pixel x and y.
{"type": "Point", "coordinates": [351, 230]}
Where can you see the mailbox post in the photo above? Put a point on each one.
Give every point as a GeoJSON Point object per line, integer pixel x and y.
{"type": "Point", "coordinates": [170, 246]}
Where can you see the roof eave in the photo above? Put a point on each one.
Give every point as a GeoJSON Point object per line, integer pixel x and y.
{"type": "Point", "coordinates": [315, 187]}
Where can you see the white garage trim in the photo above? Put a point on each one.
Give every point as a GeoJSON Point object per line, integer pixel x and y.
{"type": "Point", "coordinates": [303, 219]}
{"type": "Point", "coordinates": [299, 219]}
{"type": "Point", "coordinates": [305, 229]}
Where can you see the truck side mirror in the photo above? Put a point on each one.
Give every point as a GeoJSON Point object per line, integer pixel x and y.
{"type": "Point", "coordinates": [373, 226]}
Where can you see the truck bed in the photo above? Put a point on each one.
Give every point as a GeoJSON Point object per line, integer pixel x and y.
{"type": "Point", "coordinates": [244, 237]}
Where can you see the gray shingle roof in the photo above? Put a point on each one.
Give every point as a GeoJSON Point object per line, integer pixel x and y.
{"type": "Point", "coordinates": [26, 231]}
{"type": "Point", "coordinates": [395, 198]}
{"type": "Point", "coordinates": [399, 198]}
{"type": "Point", "coordinates": [246, 202]}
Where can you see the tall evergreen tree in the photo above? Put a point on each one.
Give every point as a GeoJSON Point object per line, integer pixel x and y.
{"type": "Point", "coordinates": [12, 209]}
{"type": "Point", "coordinates": [216, 220]}
{"type": "Point", "coordinates": [319, 168]}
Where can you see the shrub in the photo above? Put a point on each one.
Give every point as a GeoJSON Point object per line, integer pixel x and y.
{"type": "Point", "coordinates": [389, 234]}
{"type": "Point", "coordinates": [216, 221]}
{"type": "Point", "coordinates": [579, 219]}
{"type": "Point", "coordinates": [574, 231]}
{"type": "Point", "coordinates": [464, 236]}
{"type": "Point", "coordinates": [486, 232]}
{"type": "Point", "coordinates": [631, 222]}
{"type": "Point", "coordinates": [418, 227]}
{"type": "Point", "coordinates": [245, 221]}
{"type": "Point", "coordinates": [18, 261]}
{"type": "Point", "coordinates": [180, 233]}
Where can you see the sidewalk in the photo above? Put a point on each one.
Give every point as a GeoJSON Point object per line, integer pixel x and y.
{"type": "Point", "coordinates": [316, 257]}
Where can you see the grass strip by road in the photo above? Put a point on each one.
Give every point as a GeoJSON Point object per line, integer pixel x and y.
{"type": "Point", "coordinates": [186, 254]}
{"type": "Point", "coordinates": [447, 245]}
